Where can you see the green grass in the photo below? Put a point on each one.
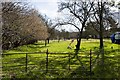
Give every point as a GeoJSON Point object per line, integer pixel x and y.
{"type": "Point", "coordinates": [58, 64]}
{"type": "Point", "coordinates": [54, 46]}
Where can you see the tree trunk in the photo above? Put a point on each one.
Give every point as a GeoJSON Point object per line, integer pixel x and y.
{"type": "Point", "coordinates": [45, 42]}
{"type": "Point", "coordinates": [101, 26]}
{"type": "Point", "coordinates": [101, 38]}
{"type": "Point", "coordinates": [78, 44]}
{"type": "Point", "coordinates": [48, 40]}
{"type": "Point", "coordinates": [80, 37]}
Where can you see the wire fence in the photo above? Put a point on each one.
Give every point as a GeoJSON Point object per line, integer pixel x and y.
{"type": "Point", "coordinates": [50, 61]}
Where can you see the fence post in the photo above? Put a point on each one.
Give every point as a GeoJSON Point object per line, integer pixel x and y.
{"type": "Point", "coordinates": [26, 62]}
{"type": "Point", "coordinates": [47, 61]}
{"type": "Point", "coordinates": [90, 62]}
{"type": "Point", "coordinates": [69, 60]}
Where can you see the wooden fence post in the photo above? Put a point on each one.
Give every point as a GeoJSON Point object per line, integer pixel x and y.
{"type": "Point", "coordinates": [90, 62]}
{"type": "Point", "coordinates": [26, 62]}
{"type": "Point", "coordinates": [69, 60]}
{"type": "Point", "coordinates": [47, 61]}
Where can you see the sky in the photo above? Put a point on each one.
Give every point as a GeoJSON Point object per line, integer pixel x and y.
{"type": "Point", "coordinates": [50, 8]}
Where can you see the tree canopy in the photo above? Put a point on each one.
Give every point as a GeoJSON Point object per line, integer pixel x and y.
{"type": "Point", "coordinates": [21, 25]}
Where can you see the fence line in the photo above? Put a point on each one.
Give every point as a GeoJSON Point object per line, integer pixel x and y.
{"type": "Point", "coordinates": [47, 61]}
{"type": "Point", "coordinates": [26, 62]}
{"type": "Point", "coordinates": [48, 55]}
{"type": "Point", "coordinates": [90, 62]}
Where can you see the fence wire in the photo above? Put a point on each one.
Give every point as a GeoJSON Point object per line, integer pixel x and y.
{"type": "Point", "coordinates": [53, 64]}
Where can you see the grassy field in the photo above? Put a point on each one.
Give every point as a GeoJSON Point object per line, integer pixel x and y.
{"type": "Point", "coordinates": [65, 63]}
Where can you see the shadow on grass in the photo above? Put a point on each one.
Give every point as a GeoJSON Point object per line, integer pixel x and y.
{"type": "Point", "coordinates": [59, 68]}
{"type": "Point", "coordinates": [31, 47]}
{"type": "Point", "coordinates": [37, 46]}
{"type": "Point", "coordinates": [109, 70]}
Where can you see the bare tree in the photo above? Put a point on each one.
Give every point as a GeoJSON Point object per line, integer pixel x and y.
{"type": "Point", "coordinates": [100, 21]}
{"type": "Point", "coordinates": [79, 12]}
{"type": "Point", "coordinates": [49, 24]}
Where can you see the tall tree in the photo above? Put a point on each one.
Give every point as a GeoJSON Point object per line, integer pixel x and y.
{"type": "Point", "coordinates": [98, 16]}
{"type": "Point", "coordinates": [102, 16]}
{"type": "Point", "coordinates": [21, 25]}
{"type": "Point", "coordinates": [49, 24]}
{"type": "Point", "coordinates": [79, 12]}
